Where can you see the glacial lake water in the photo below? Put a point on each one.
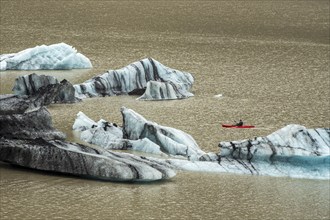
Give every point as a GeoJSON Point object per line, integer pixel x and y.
{"type": "Point", "coordinates": [268, 59]}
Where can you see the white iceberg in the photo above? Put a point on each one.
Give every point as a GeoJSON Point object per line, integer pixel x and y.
{"type": "Point", "coordinates": [171, 141]}
{"type": "Point", "coordinates": [137, 134]}
{"type": "Point", "coordinates": [52, 57]}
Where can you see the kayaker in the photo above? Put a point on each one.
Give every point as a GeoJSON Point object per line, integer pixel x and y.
{"type": "Point", "coordinates": [240, 123]}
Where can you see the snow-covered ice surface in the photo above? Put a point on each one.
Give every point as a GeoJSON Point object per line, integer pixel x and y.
{"type": "Point", "coordinates": [133, 79]}
{"type": "Point", "coordinates": [52, 57]}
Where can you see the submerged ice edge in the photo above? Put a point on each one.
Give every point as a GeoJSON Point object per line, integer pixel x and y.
{"type": "Point", "coordinates": [263, 168]}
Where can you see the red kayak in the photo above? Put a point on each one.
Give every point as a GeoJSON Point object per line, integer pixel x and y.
{"type": "Point", "coordinates": [235, 126]}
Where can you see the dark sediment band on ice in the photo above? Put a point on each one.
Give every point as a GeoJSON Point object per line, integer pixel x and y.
{"type": "Point", "coordinates": [164, 91]}
{"type": "Point", "coordinates": [133, 79]}
{"type": "Point", "coordinates": [29, 125]}
{"type": "Point", "coordinates": [28, 139]}
{"type": "Point", "coordinates": [31, 84]}
{"type": "Point", "coordinates": [14, 104]}
{"type": "Point", "coordinates": [147, 77]}
{"type": "Point", "coordinates": [80, 160]}
{"type": "Point", "coordinates": [292, 151]}
{"type": "Point", "coordinates": [23, 117]}
{"type": "Point", "coordinates": [292, 140]}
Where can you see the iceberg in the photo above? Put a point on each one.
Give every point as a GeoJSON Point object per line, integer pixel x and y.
{"type": "Point", "coordinates": [137, 134]}
{"type": "Point", "coordinates": [27, 117]}
{"type": "Point", "coordinates": [83, 161]}
{"type": "Point", "coordinates": [133, 80]}
{"type": "Point", "coordinates": [31, 84]}
{"type": "Point", "coordinates": [293, 151]}
{"type": "Point", "coordinates": [292, 140]}
{"type": "Point", "coordinates": [171, 141]}
{"type": "Point", "coordinates": [28, 139]}
{"type": "Point", "coordinates": [15, 104]}
{"type": "Point", "coordinates": [53, 57]}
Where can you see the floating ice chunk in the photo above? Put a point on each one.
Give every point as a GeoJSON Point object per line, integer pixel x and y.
{"type": "Point", "coordinates": [170, 140]}
{"type": "Point", "coordinates": [292, 151]}
{"type": "Point", "coordinates": [219, 96]}
{"type": "Point", "coordinates": [138, 134]}
{"type": "Point", "coordinates": [133, 79]}
{"type": "Point", "coordinates": [30, 85]}
{"type": "Point", "coordinates": [55, 56]}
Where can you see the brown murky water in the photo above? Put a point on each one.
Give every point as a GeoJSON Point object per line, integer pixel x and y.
{"type": "Point", "coordinates": [269, 60]}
